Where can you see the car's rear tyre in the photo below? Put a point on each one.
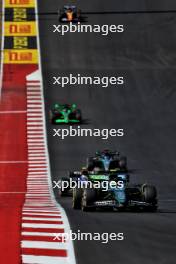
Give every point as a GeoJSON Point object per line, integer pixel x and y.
{"type": "Point", "coordinates": [64, 192]}
{"type": "Point", "coordinates": [149, 193]}
{"type": "Point", "coordinates": [78, 115]}
{"type": "Point", "coordinates": [61, 16]}
{"type": "Point", "coordinates": [90, 164]}
{"type": "Point", "coordinates": [77, 198]}
{"type": "Point", "coordinates": [88, 198]}
{"type": "Point", "coordinates": [123, 162]}
{"type": "Point", "coordinates": [51, 117]}
{"type": "Point", "coordinates": [53, 121]}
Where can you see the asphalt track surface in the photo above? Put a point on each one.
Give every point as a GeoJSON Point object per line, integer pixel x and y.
{"type": "Point", "coordinates": [145, 107]}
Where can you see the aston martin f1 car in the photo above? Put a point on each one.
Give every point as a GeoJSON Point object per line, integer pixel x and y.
{"type": "Point", "coordinates": [65, 113]}
{"type": "Point", "coordinates": [107, 160]}
{"type": "Point", "coordinates": [69, 14]}
{"type": "Point", "coordinates": [139, 197]}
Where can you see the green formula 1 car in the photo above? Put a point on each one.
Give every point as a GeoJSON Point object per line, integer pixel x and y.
{"type": "Point", "coordinates": [122, 196]}
{"type": "Point", "coordinates": [65, 114]}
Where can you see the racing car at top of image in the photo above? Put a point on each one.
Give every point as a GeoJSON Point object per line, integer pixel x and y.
{"type": "Point", "coordinates": [65, 113]}
{"type": "Point", "coordinates": [69, 13]}
{"type": "Point", "coordinates": [141, 197]}
{"type": "Point", "coordinates": [107, 160]}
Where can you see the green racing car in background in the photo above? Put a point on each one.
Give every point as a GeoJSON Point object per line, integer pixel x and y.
{"type": "Point", "coordinates": [65, 114]}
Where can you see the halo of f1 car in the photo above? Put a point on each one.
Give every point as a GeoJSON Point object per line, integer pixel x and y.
{"type": "Point", "coordinates": [65, 114]}
{"type": "Point", "coordinates": [70, 13]}
{"type": "Point", "coordinates": [88, 197]}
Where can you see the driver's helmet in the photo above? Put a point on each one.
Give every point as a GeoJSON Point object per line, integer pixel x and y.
{"type": "Point", "coordinates": [69, 14]}
{"type": "Point", "coordinates": [69, 9]}
{"type": "Point", "coordinates": [56, 106]}
{"type": "Point", "coordinates": [66, 107]}
{"type": "Point", "coordinates": [74, 106]}
{"type": "Point", "coordinates": [97, 170]}
{"type": "Point", "coordinates": [106, 154]}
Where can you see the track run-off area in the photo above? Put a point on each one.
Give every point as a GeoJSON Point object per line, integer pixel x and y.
{"type": "Point", "coordinates": [30, 219]}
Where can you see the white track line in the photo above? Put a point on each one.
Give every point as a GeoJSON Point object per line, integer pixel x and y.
{"type": "Point", "coordinates": [31, 259]}
{"type": "Point", "coordinates": [39, 234]}
{"type": "Point", "coordinates": [45, 245]}
{"type": "Point", "coordinates": [37, 172]}
{"type": "Point", "coordinates": [50, 211]}
{"type": "Point", "coordinates": [41, 218]}
{"type": "Point", "coordinates": [42, 225]}
{"type": "Point", "coordinates": [42, 158]}
{"type": "Point", "coordinates": [34, 84]}
{"type": "Point", "coordinates": [37, 155]}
